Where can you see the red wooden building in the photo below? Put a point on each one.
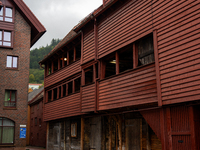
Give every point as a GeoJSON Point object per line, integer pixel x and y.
{"type": "Point", "coordinates": [19, 30]}
{"type": "Point", "coordinates": [36, 133]}
{"type": "Point", "coordinates": [126, 77]}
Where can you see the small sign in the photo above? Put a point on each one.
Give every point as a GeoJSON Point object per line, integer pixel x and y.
{"type": "Point", "coordinates": [22, 133]}
{"type": "Point", "coordinates": [22, 126]}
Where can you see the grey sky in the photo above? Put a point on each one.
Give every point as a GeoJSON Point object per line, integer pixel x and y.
{"type": "Point", "coordinates": [60, 16]}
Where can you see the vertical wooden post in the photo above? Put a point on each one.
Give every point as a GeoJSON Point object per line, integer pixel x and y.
{"type": "Point", "coordinates": [82, 47]}
{"type": "Point", "coordinates": [117, 62]}
{"type": "Point", "coordinates": [73, 86]}
{"type": "Point", "coordinates": [162, 128]}
{"type": "Point", "coordinates": [52, 95]}
{"type": "Point", "coordinates": [110, 133]}
{"type": "Point", "coordinates": [74, 53]}
{"type": "Point", "coordinates": [47, 135]}
{"type": "Point", "coordinates": [157, 67]}
{"type": "Point", "coordinates": [67, 57]}
{"type": "Point", "coordinates": [59, 63]}
{"type": "Point", "coordinates": [103, 69]}
{"type": "Point", "coordinates": [83, 77]}
{"type": "Point", "coordinates": [52, 67]}
{"type": "Point", "coordinates": [169, 131]}
{"type": "Point", "coordinates": [148, 137]}
{"type": "Point", "coordinates": [120, 132]}
{"type": "Point", "coordinates": [82, 133]}
{"type": "Point", "coordinates": [67, 89]}
{"type": "Point", "coordinates": [63, 62]}
{"type": "Point", "coordinates": [135, 56]}
{"type": "Point", "coordinates": [61, 90]}
{"type": "Point", "coordinates": [64, 137]}
{"type": "Point", "coordinates": [192, 128]}
{"type": "Point", "coordinates": [95, 38]}
{"type": "Point", "coordinates": [58, 92]}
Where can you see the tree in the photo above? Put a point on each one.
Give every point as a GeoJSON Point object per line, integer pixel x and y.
{"type": "Point", "coordinates": [31, 78]}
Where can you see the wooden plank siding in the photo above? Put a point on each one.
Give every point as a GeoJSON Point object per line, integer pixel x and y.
{"type": "Point", "coordinates": [177, 24]}
{"type": "Point", "coordinates": [63, 73]}
{"type": "Point", "coordinates": [88, 98]}
{"type": "Point", "coordinates": [88, 46]}
{"type": "Point", "coordinates": [64, 107]}
{"type": "Point", "coordinates": [178, 46]}
{"type": "Point", "coordinates": [128, 89]}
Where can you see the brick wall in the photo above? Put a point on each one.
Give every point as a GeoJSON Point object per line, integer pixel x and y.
{"type": "Point", "coordinates": [16, 79]}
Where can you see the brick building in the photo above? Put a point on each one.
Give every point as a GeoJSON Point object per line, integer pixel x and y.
{"type": "Point", "coordinates": [19, 30]}
{"type": "Point", "coordinates": [127, 77]}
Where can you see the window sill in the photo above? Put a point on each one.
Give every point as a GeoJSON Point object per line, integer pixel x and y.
{"type": "Point", "coordinates": [7, 145]}
{"type": "Point", "coordinates": [9, 108]}
{"type": "Point", "coordinates": [8, 47]}
{"type": "Point", "coordinates": [12, 69]}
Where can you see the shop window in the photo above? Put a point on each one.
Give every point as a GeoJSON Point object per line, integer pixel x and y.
{"type": "Point", "coordinates": [55, 65]}
{"type": "Point", "coordinates": [145, 51]}
{"type": "Point", "coordinates": [126, 58]}
{"type": "Point", "coordinates": [74, 130]}
{"type": "Point", "coordinates": [110, 66]}
{"type": "Point", "coordinates": [77, 84]}
{"type": "Point", "coordinates": [10, 98]}
{"type": "Point", "coordinates": [55, 93]}
{"type": "Point", "coordinates": [71, 56]}
{"type": "Point", "coordinates": [60, 92]}
{"type": "Point", "coordinates": [64, 90]}
{"type": "Point", "coordinates": [7, 130]}
{"type": "Point", "coordinates": [70, 87]}
{"type": "Point", "coordinates": [49, 95]}
{"type": "Point", "coordinates": [6, 14]}
{"type": "Point", "coordinates": [12, 62]}
{"type": "Point", "coordinates": [78, 51]}
{"type": "Point", "coordinates": [89, 75]}
{"type": "Point", "coordinates": [5, 38]}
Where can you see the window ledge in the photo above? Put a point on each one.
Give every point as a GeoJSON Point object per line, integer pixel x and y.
{"type": "Point", "coordinates": [12, 69]}
{"type": "Point", "coordinates": [7, 145]}
{"type": "Point", "coordinates": [9, 108]}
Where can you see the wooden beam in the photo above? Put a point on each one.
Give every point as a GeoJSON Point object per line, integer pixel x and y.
{"type": "Point", "coordinates": [58, 64]}
{"type": "Point", "coordinates": [73, 86]}
{"type": "Point", "coordinates": [95, 39]}
{"type": "Point", "coordinates": [82, 133]}
{"type": "Point", "coordinates": [82, 48]}
{"type": "Point", "coordinates": [135, 56]}
{"type": "Point", "coordinates": [117, 62]}
{"type": "Point", "coordinates": [110, 133]}
{"type": "Point", "coordinates": [157, 67]}
{"type": "Point", "coordinates": [47, 135]}
{"type": "Point", "coordinates": [192, 128]}
{"type": "Point", "coordinates": [162, 129]}
{"type": "Point", "coordinates": [51, 66]}
{"type": "Point", "coordinates": [169, 130]}
{"type": "Point", "coordinates": [120, 132]}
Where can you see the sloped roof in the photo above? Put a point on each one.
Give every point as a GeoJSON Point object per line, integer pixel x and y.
{"type": "Point", "coordinates": [35, 93]}
{"type": "Point", "coordinates": [37, 29]}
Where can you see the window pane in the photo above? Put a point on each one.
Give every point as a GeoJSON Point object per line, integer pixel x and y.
{"type": "Point", "coordinates": [13, 96]}
{"type": "Point", "coordinates": [0, 35]}
{"type": "Point", "coordinates": [7, 36]}
{"type": "Point", "coordinates": [1, 12]}
{"type": "Point", "coordinates": [8, 135]}
{"type": "Point", "coordinates": [14, 62]}
{"type": "Point", "coordinates": [6, 44]}
{"type": "Point", "coordinates": [7, 95]}
{"type": "Point", "coordinates": [8, 12]}
{"type": "Point", "coordinates": [1, 18]}
{"type": "Point", "coordinates": [8, 122]}
{"type": "Point", "coordinates": [0, 43]}
{"type": "Point", "coordinates": [8, 19]}
{"type": "Point", "coordinates": [9, 61]}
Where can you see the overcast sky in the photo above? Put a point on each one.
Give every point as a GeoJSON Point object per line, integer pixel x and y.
{"type": "Point", "coordinates": [60, 16]}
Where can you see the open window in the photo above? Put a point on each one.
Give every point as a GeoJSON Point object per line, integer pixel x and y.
{"type": "Point", "coordinates": [145, 50]}
{"type": "Point", "coordinates": [89, 75]}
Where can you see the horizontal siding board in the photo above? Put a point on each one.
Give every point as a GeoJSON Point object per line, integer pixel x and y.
{"type": "Point", "coordinates": [88, 98]}
{"type": "Point", "coordinates": [131, 87]}
{"type": "Point", "coordinates": [63, 107]}
{"type": "Point", "coordinates": [63, 73]}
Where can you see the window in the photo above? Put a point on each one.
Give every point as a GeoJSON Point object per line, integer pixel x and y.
{"type": "Point", "coordinates": [110, 68]}
{"type": "Point", "coordinates": [64, 90]}
{"type": "Point", "coordinates": [5, 38]}
{"type": "Point", "coordinates": [35, 120]}
{"type": "Point", "coordinates": [78, 51]}
{"type": "Point", "coordinates": [6, 14]}
{"type": "Point", "coordinates": [12, 62]}
{"type": "Point", "coordinates": [89, 75]}
{"type": "Point", "coordinates": [145, 50]}
{"type": "Point", "coordinates": [71, 56]}
{"type": "Point", "coordinates": [70, 87]}
{"type": "Point", "coordinates": [60, 92]}
{"type": "Point", "coordinates": [10, 98]}
{"type": "Point", "coordinates": [74, 130]}
{"type": "Point", "coordinates": [65, 59]}
{"type": "Point", "coordinates": [7, 130]}
{"type": "Point", "coordinates": [49, 95]}
{"type": "Point", "coordinates": [55, 65]}
{"type": "Point", "coordinates": [77, 84]}
{"type": "Point", "coordinates": [55, 94]}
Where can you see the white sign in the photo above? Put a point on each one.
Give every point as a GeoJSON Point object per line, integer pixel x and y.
{"type": "Point", "coordinates": [22, 126]}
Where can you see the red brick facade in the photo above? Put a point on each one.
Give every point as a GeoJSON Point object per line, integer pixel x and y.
{"type": "Point", "coordinates": [16, 79]}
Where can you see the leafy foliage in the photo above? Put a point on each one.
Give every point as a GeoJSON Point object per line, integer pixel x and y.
{"type": "Point", "coordinates": [36, 74]}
